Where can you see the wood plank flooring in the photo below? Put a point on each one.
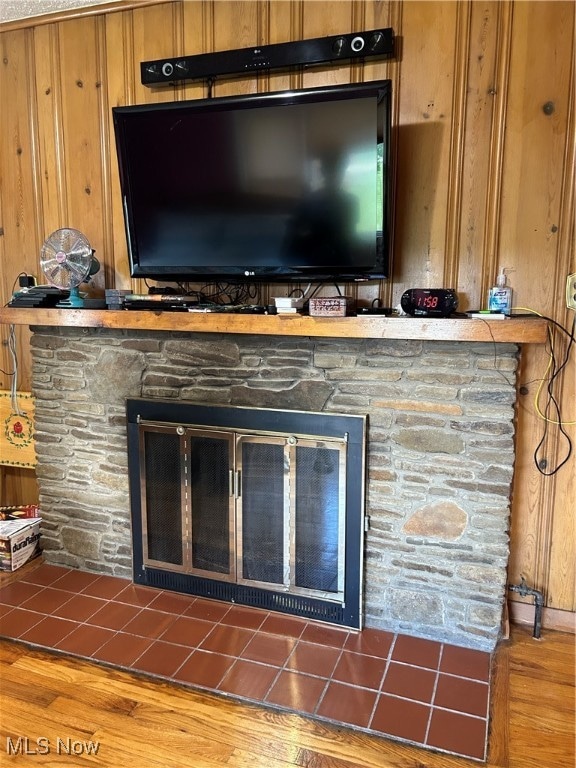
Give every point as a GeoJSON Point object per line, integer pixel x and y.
{"type": "Point", "coordinates": [57, 711]}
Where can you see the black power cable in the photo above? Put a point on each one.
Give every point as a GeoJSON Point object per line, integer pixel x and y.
{"type": "Point", "coordinates": [552, 412]}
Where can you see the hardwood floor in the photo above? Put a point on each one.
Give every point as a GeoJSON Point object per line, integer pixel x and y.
{"type": "Point", "coordinates": [58, 711]}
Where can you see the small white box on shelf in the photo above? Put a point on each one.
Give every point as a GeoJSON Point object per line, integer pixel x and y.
{"type": "Point", "coordinates": [288, 302]}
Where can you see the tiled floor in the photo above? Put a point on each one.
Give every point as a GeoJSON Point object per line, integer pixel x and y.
{"type": "Point", "coordinates": [427, 693]}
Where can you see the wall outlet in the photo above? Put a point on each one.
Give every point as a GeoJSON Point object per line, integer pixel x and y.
{"type": "Point", "coordinates": [571, 291]}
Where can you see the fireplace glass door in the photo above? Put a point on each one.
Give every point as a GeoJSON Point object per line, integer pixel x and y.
{"type": "Point", "coordinates": [260, 510]}
{"type": "Point", "coordinates": [290, 514]}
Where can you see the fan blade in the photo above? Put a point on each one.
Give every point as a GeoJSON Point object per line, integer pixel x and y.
{"type": "Point", "coordinates": [78, 269]}
{"type": "Point", "coordinates": [57, 275]}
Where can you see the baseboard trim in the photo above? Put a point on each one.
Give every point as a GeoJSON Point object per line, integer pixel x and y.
{"type": "Point", "coordinates": [552, 618]}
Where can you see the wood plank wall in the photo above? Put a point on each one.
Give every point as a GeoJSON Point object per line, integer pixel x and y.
{"type": "Point", "coordinates": [484, 167]}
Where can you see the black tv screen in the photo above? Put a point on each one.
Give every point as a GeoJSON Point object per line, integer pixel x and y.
{"type": "Point", "coordinates": [291, 185]}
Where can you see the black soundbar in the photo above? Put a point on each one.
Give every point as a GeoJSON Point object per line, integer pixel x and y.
{"type": "Point", "coordinates": [356, 45]}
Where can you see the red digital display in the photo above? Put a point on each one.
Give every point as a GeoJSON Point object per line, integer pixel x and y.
{"type": "Point", "coordinates": [427, 302]}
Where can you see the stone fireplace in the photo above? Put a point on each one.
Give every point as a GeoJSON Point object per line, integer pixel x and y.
{"type": "Point", "coordinates": [440, 452]}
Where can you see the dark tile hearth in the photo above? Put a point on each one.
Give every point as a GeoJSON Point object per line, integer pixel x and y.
{"type": "Point", "coordinates": [423, 692]}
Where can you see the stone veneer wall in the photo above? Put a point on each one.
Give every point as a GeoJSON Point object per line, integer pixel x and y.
{"type": "Point", "coordinates": [440, 452]}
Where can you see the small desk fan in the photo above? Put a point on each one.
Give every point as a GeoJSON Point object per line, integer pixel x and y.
{"type": "Point", "coordinates": [67, 260]}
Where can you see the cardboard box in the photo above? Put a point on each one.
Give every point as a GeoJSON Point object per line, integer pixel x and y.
{"type": "Point", "coordinates": [19, 542]}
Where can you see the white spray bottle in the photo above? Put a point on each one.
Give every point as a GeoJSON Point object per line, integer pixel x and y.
{"type": "Point", "coordinates": [500, 295]}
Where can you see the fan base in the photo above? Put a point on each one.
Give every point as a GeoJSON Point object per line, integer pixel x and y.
{"type": "Point", "coordinates": [73, 302]}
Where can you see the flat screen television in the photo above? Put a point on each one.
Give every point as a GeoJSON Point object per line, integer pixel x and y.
{"type": "Point", "coordinates": [291, 185]}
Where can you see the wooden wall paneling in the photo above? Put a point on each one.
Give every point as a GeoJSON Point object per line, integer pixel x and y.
{"type": "Point", "coordinates": [460, 69]}
{"type": "Point", "coordinates": [543, 529]}
{"type": "Point", "coordinates": [388, 14]}
{"type": "Point", "coordinates": [528, 505]}
{"type": "Point", "coordinates": [82, 132]}
{"type": "Point", "coordinates": [18, 486]}
{"type": "Point", "coordinates": [326, 18]}
{"type": "Point", "coordinates": [198, 37]}
{"type": "Point", "coordinates": [6, 280]}
{"type": "Point", "coordinates": [19, 200]}
{"type": "Point", "coordinates": [479, 112]}
{"type": "Point", "coordinates": [381, 15]}
{"type": "Point", "coordinates": [556, 564]}
{"type": "Point", "coordinates": [119, 86]}
{"type": "Point", "coordinates": [423, 143]}
{"type": "Point", "coordinates": [495, 148]}
{"type": "Point", "coordinates": [562, 574]}
{"type": "Point", "coordinates": [5, 366]}
{"type": "Point", "coordinates": [534, 150]}
{"type": "Point", "coordinates": [235, 25]}
{"type": "Point", "coordinates": [18, 191]}
{"type": "Point", "coordinates": [108, 181]}
{"type": "Point", "coordinates": [155, 35]}
{"type": "Point", "coordinates": [543, 533]}
{"type": "Point", "coordinates": [51, 176]}
{"type": "Point", "coordinates": [567, 221]}
{"type": "Point", "coordinates": [535, 145]}
{"type": "Point", "coordinates": [265, 35]}
{"type": "Point", "coordinates": [366, 16]}
{"type": "Point", "coordinates": [285, 21]}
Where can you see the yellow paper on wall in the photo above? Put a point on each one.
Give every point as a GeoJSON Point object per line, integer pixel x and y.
{"type": "Point", "coordinates": [17, 430]}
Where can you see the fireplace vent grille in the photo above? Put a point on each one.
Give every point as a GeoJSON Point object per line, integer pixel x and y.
{"type": "Point", "coordinates": [250, 596]}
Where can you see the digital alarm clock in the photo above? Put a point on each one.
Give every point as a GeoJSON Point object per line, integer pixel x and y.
{"type": "Point", "coordinates": [429, 302]}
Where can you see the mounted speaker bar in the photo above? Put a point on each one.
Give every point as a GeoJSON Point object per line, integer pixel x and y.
{"type": "Point", "coordinates": [356, 45]}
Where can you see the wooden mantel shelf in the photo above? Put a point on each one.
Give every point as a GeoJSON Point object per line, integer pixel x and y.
{"type": "Point", "coordinates": [515, 330]}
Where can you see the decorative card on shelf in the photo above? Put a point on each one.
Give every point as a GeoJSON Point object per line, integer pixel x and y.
{"type": "Point", "coordinates": [330, 306]}
{"type": "Point", "coordinates": [17, 447]}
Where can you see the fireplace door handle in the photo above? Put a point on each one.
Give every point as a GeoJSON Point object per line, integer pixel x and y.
{"type": "Point", "coordinates": [234, 483]}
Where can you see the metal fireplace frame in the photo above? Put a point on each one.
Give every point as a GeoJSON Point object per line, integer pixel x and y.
{"type": "Point", "coordinates": [346, 608]}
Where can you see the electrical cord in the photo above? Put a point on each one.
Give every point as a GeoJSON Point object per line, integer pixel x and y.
{"type": "Point", "coordinates": [556, 373]}
{"type": "Point", "coordinates": [550, 366]}
{"type": "Point", "coordinates": [550, 377]}
{"type": "Point", "coordinates": [12, 349]}
{"type": "Point", "coordinates": [229, 294]}
{"type": "Point", "coordinates": [14, 382]}
{"type": "Point", "coordinates": [551, 414]}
